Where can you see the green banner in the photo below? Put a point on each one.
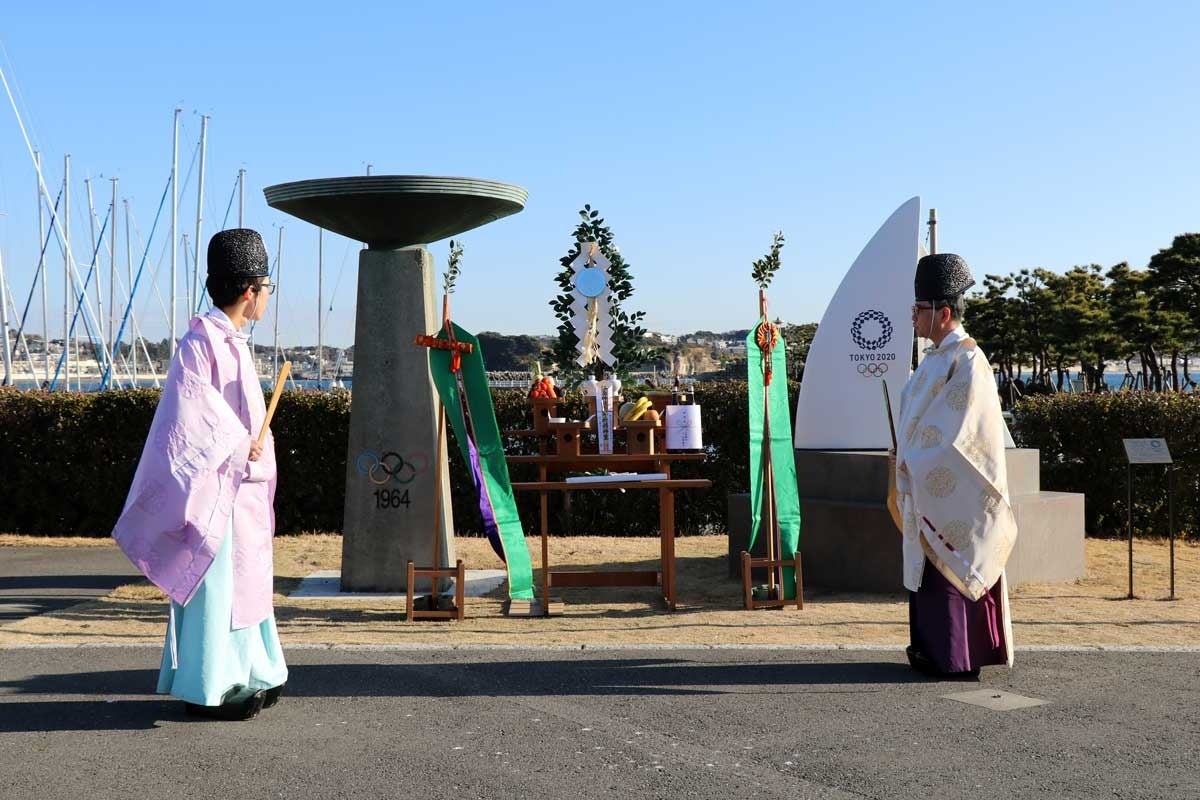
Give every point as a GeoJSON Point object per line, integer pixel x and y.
{"type": "Point", "coordinates": [771, 444]}
{"type": "Point", "coordinates": [496, 489]}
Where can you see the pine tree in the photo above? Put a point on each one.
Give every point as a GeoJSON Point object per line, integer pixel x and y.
{"type": "Point", "coordinates": [628, 335]}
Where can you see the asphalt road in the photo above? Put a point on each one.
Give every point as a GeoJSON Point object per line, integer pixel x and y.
{"type": "Point", "coordinates": [34, 580]}
{"type": "Point", "coordinates": [671, 723]}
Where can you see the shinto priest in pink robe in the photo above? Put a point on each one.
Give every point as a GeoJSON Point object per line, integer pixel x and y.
{"type": "Point", "coordinates": [195, 497]}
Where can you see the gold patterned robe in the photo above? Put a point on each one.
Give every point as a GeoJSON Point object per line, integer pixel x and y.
{"type": "Point", "coordinates": [951, 484]}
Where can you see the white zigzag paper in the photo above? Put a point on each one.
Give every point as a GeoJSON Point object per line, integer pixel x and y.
{"type": "Point", "coordinates": [590, 318]}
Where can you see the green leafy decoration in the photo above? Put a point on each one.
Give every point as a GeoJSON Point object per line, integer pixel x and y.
{"type": "Point", "coordinates": [764, 269]}
{"type": "Point", "coordinates": [628, 333]}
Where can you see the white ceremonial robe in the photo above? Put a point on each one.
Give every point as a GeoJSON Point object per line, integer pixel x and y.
{"type": "Point", "coordinates": [951, 483]}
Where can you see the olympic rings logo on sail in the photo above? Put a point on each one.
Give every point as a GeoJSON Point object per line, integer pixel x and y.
{"type": "Point", "coordinates": [391, 466]}
{"type": "Point", "coordinates": [872, 369]}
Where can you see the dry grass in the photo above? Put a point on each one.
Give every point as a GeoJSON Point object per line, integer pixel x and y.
{"type": "Point", "coordinates": [1090, 611]}
{"type": "Point", "coordinates": [21, 540]}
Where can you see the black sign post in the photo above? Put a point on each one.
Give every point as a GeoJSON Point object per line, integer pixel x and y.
{"type": "Point", "coordinates": [1149, 451]}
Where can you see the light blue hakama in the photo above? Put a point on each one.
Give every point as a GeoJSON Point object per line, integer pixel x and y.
{"type": "Point", "coordinates": [210, 657]}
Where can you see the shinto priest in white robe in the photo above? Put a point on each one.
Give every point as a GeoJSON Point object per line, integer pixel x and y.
{"type": "Point", "coordinates": [951, 484]}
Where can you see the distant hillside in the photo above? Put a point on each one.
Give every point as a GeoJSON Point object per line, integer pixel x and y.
{"type": "Point", "coordinates": [510, 353]}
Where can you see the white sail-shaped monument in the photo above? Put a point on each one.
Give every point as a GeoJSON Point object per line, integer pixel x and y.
{"type": "Point", "coordinates": [865, 337]}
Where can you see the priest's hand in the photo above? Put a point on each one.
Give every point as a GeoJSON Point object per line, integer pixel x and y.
{"type": "Point", "coordinates": [255, 450]}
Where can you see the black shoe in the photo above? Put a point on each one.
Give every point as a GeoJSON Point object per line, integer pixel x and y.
{"type": "Point", "coordinates": [271, 696]}
{"type": "Point", "coordinates": [231, 711]}
{"type": "Point", "coordinates": [924, 664]}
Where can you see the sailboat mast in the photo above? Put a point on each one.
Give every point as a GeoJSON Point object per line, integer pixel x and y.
{"type": "Point", "coordinates": [8, 376]}
{"type": "Point", "coordinates": [241, 197]}
{"type": "Point", "coordinates": [320, 299]}
{"type": "Point", "coordinates": [129, 271]}
{"type": "Point", "coordinates": [66, 226]}
{"type": "Point", "coordinates": [932, 231]}
{"type": "Point", "coordinates": [174, 219]}
{"type": "Point", "coordinates": [87, 184]}
{"type": "Point", "coordinates": [37, 160]}
{"type": "Point", "coordinates": [278, 272]}
{"type": "Point", "coordinates": [112, 268]}
{"type": "Point", "coordinates": [187, 310]}
{"type": "Point", "coordinates": [194, 305]}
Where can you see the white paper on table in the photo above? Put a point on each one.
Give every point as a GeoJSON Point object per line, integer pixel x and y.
{"type": "Point", "coordinates": [683, 428]}
{"type": "Point", "coordinates": [618, 476]}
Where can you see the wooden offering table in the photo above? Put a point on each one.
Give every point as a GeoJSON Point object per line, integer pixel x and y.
{"type": "Point", "coordinates": [549, 464]}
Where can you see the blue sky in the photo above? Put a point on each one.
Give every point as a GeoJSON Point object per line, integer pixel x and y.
{"type": "Point", "coordinates": [1045, 135]}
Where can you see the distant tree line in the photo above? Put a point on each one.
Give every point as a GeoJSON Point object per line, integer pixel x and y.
{"type": "Point", "coordinates": [1047, 323]}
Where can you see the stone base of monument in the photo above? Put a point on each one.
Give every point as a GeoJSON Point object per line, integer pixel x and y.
{"type": "Point", "coordinates": [849, 543]}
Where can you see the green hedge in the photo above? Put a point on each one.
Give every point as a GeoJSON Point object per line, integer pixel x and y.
{"type": "Point", "coordinates": [1079, 436]}
{"type": "Point", "coordinates": [66, 462]}
{"type": "Point", "coordinates": [67, 459]}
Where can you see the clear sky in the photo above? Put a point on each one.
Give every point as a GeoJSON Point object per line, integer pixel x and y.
{"type": "Point", "coordinates": [1046, 134]}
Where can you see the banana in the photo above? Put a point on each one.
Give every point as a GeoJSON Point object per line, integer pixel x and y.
{"type": "Point", "coordinates": [639, 408]}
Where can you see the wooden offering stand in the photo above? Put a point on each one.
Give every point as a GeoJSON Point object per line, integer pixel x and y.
{"type": "Point", "coordinates": [432, 608]}
{"type": "Point", "coordinates": [566, 447]}
{"type": "Point", "coordinates": [642, 436]}
{"type": "Point", "coordinates": [775, 597]}
{"type": "Point", "coordinates": [568, 436]}
{"type": "Point", "coordinates": [543, 409]}
{"type": "Point", "coordinates": [773, 563]}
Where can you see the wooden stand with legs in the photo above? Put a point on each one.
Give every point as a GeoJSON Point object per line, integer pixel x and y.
{"type": "Point", "coordinates": [435, 573]}
{"type": "Point", "coordinates": [776, 591]}
{"type": "Point", "coordinates": [412, 613]}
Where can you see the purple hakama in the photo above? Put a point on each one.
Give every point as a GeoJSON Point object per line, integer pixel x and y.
{"type": "Point", "coordinates": [956, 633]}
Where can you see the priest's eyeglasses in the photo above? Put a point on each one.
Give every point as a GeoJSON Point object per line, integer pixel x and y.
{"type": "Point", "coordinates": [265, 286]}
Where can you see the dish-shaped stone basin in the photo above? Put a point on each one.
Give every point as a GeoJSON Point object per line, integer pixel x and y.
{"type": "Point", "coordinates": [393, 211]}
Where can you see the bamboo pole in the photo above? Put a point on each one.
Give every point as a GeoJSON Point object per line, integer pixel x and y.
{"type": "Point", "coordinates": [279, 383]}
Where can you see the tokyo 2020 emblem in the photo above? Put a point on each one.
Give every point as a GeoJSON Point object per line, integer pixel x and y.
{"type": "Point", "coordinates": [871, 330]}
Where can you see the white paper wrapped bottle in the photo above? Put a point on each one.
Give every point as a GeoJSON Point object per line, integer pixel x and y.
{"type": "Point", "coordinates": [683, 428]}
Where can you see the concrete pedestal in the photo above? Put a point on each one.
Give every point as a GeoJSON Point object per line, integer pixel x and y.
{"type": "Point", "coordinates": [391, 455]}
{"type": "Point", "coordinates": [848, 541]}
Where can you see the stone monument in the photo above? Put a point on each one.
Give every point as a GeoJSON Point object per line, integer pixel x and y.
{"type": "Point", "coordinates": [865, 338]}
{"type": "Point", "coordinates": [390, 456]}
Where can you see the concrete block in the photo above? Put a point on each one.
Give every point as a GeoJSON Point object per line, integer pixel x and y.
{"type": "Point", "coordinates": [1024, 470]}
{"type": "Point", "coordinates": [1050, 538]}
{"type": "Point", "coordinates": [848, 541]}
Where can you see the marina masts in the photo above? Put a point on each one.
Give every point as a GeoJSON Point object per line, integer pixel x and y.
{"type": "Point", "coordinates": [196, 300]}
{"type": "Point", "coordinates": [8, 370]}
{"type": "Point", "coordinates": [320, 299]}
{"type": "Point", "coordinates": [112, 267]}
{"type": "Point", "coordinates": [37, 162]}
{"type": "Point", "coordinates": [66, 234]}
{"type": "Point", "coordinates": [174, 219]}
{"type": "Point", "coordinates": [278, 272]}
{"type": "Point", "coordinates": [129, 271]}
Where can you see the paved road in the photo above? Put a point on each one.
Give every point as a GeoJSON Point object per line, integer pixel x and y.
{"type": "Point", "coordinates": [380, 723]}
{"type": "Point", "coordinates": [34, 580]}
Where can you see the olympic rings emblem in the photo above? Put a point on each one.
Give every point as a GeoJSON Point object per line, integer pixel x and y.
{"type": "Point", "coordinates": [872, 369]}
{"type": "Point", "coordinates": [885, 332]}
{"type": "Point", "coordinates": [391, 466]}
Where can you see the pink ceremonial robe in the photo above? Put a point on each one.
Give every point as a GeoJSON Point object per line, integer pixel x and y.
{"type": "Point", "coordinates": [194, 474]}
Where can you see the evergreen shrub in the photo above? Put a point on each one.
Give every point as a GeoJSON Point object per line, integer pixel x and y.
{"type": "Point", "coordinates": [1079, 436]}
{"type": "Point", "coordinates": [67, 460]}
